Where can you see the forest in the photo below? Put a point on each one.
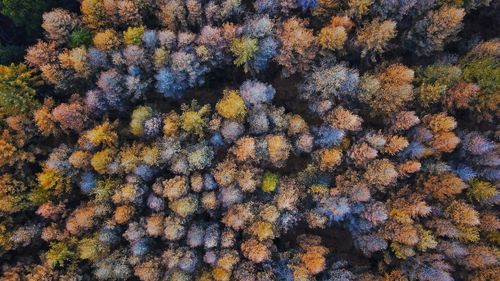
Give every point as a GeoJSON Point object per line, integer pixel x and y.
{"type": "Point", "coordinates": [267, 140]}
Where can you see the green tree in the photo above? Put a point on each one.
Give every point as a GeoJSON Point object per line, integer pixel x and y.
{"type": "Point", "coordinates": [59, 254]}
{"type": "Point", "coordinates": [26, 13]}
{"type": "Point", "coordinates": [11, 53]}
{"type": "Point", "coordinates": [80, 37]}
{"type": "Point", "coordinates": [244, 50]}
{"type": "Point", "coordinates": [16, 93]}
{"type": "Point", "coordinates": [483, 71]}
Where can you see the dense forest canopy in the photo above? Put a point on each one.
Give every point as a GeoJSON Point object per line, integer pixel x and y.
{"type": "Point", "coordinates": [218, 140]}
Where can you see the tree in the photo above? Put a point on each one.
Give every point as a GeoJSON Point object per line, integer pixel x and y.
{"type": "Point", "coordinates": [278, 149]}
{"type": "Point", "coordinates": [27, 14]}
{"type": "Point", "coordinates": [307, 4]}
{"type": "Point", "coordinates": [439, 123]}
{"type": "Point", "coordinates": [381, 172]}
{"type": "Point", "coordinates": [80, 37]}
{"type": "Point", "coordinates": [129, 12]}
{"type": "Point", "coordinates": [255, 251]}
{"type": "Point", "coordinates": [329, 158]}
{"type": "Point", "coordinates": [13, 196]}
{"type": "Point", "coordinates": [106, 40]}
{"type": "Point", "coordinates": [244, 50]}
{"type": "Point", "coordinates": [298, 46]}
{"type": "Point", "coordinates": [389, 90]}
{"type": "Point", "coordinates": [94, 14]}
{"type": "Point", "coordinates": [169, 83]}
{"type": "Point", "coordinates": [133, 35]}
{"type": "Point", "coordinates": [269, 182]}
{"type": "Point", "coordinates": [232, 106]}
{"type": "Point", "coordinates": [434, 31]}
{"type": "Point", "coordinates": [375, 35]}
{"type": "Point", "coordinates": [16, 93]}
{"type": "Point", "coordinates": [59, 254]}
{"type": "Point", "coordinates": [71, 116]}
{"type": "Point", "coordinates": [328, 82]}
{"type": "Point", "coordinates": [59, 24]}
{"type": "Point", "coordinates": [404, 120]}
{"type": "Point", "coordinates": [254, 92]}
{"type": "Point", "coordinates": [444, 186]}
{"type": "Point", "coordinates": [332, 38]}
{"type": "Point", "coordinates": [193, 119]}
{"type": "Point", "coordinates": [462, 213]}
{"type": "Point", "coordinates": [11, 53]}
{"type": "Point", "coordinates": [343, 119]}
{"type": "Point", "coordinates": [370, 244]}
{"type": "Point", "coordinates": [359, 8]}
{"type": "Point", "coordinates": [103, 134]}
{"type": "Point", "coordinates": [435, 80]}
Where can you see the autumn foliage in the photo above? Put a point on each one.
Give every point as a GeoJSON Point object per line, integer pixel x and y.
{"type": "Point", "coordinates": [252, 140]}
